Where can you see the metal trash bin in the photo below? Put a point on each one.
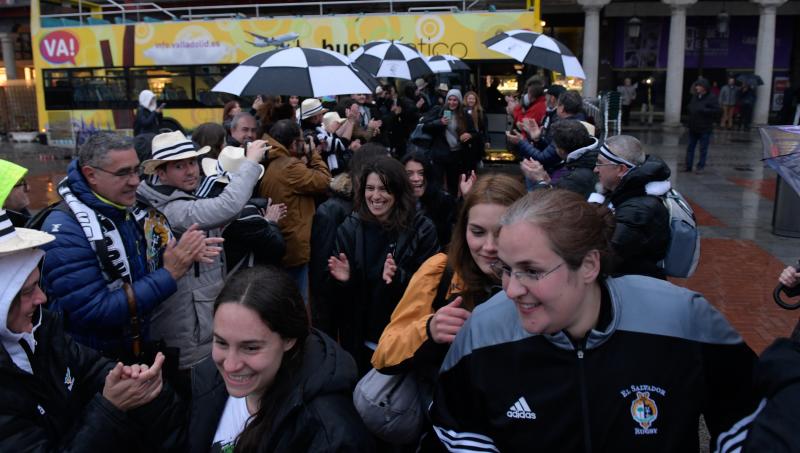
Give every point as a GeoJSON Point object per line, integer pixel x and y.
{"type": "Point", "coordinates": [786, 212]}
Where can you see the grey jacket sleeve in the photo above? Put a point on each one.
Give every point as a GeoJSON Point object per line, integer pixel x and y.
{"type": "Point", "coordinates": [215, 212]}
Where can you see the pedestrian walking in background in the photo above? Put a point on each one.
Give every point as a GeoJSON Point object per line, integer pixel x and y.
{"type": "Point", "coordinates": [703, 110]}
{"type": "Point", "coordinates": [728, 97]}
{"type": "Point", "coordinates": [747, 101]}
{"type": "Point", "coordinates": [627, 94]}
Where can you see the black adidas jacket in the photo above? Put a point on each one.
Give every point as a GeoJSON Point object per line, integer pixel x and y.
{"type": "Point", "coordinates": [664, 357]}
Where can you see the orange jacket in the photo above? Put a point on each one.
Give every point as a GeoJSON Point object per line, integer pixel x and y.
{"type": "Point", "coordinates": [407, 330]}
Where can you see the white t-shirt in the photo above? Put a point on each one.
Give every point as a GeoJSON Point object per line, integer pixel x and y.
{"type": "Point", "coordinates": [233, 421]}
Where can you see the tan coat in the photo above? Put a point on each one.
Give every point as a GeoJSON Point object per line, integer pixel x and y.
{"type": "Point", "coordinates": [288, 180]}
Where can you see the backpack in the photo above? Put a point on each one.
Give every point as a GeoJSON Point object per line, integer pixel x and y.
{"type": "Point", "coordinates": [683, 251]}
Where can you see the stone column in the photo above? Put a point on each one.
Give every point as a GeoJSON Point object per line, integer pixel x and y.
{"type": "Point", "coordinates": [591, 44]}
{"type": "Point", "coordinates": [675, 62]}
{"type": "Point", "coordinates": [9, 55]}
{"type": "Point", "coordinates": [765, 53]}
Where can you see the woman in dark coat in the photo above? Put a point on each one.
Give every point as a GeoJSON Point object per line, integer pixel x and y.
{"type": "Point", "coordinates": [148, 115]}
{"type": "Point", "coordinates": [451, 130]}
{"type": "Point", "coordinates": [378, 249]}
{"type": "Point", "coordinates": [433, 202]}
{"type": "Point", "coordinates": [272, 384]}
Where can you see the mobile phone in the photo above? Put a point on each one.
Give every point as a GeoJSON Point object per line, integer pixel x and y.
{"type": "Point", "coordinates": [163, 104]}
{"type": "Point", "coordinates": [448, 114]}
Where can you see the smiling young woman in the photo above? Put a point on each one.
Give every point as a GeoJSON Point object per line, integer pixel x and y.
{"type": "Point", "coordinates": [377, 249]}
{"type": "Point", "coordinates": [262, 390]}
{"type": "Point", "coordinates": [422, 327]}
{"type": "Point", "coordinates": [570, 360]}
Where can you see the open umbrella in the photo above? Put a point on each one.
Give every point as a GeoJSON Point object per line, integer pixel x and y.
{"type": "Point", "coordinates": [297, 71]}
{"type": "Point", "coordinates": [391, 59]}
{"type": "Point", "coordinates": [536, 49]}
{"type": "Point", "coordinates": [441, 64]}
{"type": "Point", "coordinates": [750, 79]}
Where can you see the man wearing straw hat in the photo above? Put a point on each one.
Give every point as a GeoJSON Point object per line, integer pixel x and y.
{"type": "Point", "coordinates": [184, 320]}
{"type": "Point", "coordinates": [55, 393]}
{"type": "Point", "coordinates": [112, 261]}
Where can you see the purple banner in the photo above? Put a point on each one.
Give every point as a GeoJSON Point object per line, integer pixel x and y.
{"type": "Point", "coordinates": [735, 49]}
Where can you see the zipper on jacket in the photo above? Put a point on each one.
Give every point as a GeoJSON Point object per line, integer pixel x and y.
{"type": "Point", "coordinates": [587, 433]}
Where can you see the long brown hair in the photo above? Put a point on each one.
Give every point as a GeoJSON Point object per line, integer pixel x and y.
{"type": "Point", "coordinates": [393, 176]}
{"type": "Point", "coordinates": [493, 188]}
{"type": "Point", "coordinates": [477, 111]}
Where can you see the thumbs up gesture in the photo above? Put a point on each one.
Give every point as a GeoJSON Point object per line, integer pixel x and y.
{"type": "Point", "coordinates": [447, 321]}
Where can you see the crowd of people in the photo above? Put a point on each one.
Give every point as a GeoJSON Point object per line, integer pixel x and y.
{"type": "Point", "coordinates": [227, 291]}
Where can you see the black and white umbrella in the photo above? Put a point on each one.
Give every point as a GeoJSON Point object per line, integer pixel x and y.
{"type": "Point", "coordinates": [297, 71]}
{"type": "Point", "coordinates": [441, 64]}
{"type": "Point", "coordinates": [537, 49]}
{"type": "Point", "coordinates": [391, 59]}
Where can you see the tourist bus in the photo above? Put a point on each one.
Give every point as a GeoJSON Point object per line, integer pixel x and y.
{"type": "Point", "coordinates": [93, 58]}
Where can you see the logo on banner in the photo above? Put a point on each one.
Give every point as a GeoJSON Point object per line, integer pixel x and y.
{"type": "Point", "coordinates": [59, 47]}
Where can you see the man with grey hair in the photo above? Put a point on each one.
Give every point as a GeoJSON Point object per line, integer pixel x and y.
{"type": "Point", "coordinates": [631, 184]}
{"type": "Point", "coordinates": [111, 262]}
{"type": "Point", "coordinates": [243, 129]}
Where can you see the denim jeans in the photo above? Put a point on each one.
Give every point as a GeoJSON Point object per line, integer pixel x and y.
{"type": "Point", "coordinates": [703, 138]}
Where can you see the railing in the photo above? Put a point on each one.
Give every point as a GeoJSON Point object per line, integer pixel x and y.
{"type": "Point", "coordinates": [124, 13]}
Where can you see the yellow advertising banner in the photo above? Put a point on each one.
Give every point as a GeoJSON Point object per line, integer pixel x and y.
{"type": "Point", "coordinates": [232, 41]}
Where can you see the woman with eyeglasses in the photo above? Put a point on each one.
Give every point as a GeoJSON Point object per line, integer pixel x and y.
{"type": "Point", "coordinates": [566, 359]}
{"type": "Point", "coordinates": [445, 289]}
{"type": "Point", "coordinates": [377, 250]}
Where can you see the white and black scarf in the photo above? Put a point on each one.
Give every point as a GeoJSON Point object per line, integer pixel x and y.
{"type": "Point", "coordinates": [103, 236]}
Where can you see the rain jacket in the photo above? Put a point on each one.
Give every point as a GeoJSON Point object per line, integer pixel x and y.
{"type": "Point", "coordinates": [147, 118]}
{"type": "Point", "coordinates": [575, 173]}
{"type": "Point", "coordinates": [94, 314]}
{"type": "Point", "coordinates": [659, 356]}
{"type": "Point", "coordinates": [642, 234]}
{"type": "Point", "coordinates": [317, 416]}
{"type": "Point", "coordinates": [51, 387]}
{"type": "Point", "coordinates": [288, 180]}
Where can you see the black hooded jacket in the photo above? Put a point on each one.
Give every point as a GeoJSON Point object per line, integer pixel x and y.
{"type": "Point", "coordinates": [318, 416]}
{"type": "Point", "coordinates": [60, 406]}
{"type": "Point", "coordinates": [642, 234]}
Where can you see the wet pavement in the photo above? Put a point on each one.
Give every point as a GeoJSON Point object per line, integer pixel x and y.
{"type": "Point", "coordinates": [733, 200]}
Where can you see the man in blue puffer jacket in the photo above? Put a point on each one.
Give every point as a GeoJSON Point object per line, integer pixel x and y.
{"type": "Point", "coordinates": [110, 261]}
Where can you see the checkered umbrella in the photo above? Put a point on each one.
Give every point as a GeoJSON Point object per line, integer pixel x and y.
{"type": "Point", "coordinates": [441, 64]}
{"type": "Point", "coordinates": [391, 59]}
{"type": "Point", "coordinates": [538, 50]}
{"type": "Point", "coordinates": [297, 71]}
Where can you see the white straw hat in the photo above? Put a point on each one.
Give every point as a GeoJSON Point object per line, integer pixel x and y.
{"type": "Point", "coordinates": [14, 239]}
{"type": "Point", "coordinates": [171, 146]}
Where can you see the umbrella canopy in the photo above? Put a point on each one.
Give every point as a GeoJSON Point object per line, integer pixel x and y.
{"type": "Point", "coordinates": [391, 59]}
{"type": "Point", "coordinates": [297, 71]}
{"type": "Point", "coordinates": [446, 63]}
{"type": "Point", "coordinates": [537, 49]}
{"type": "Point", "coordinates": [750, 79]}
